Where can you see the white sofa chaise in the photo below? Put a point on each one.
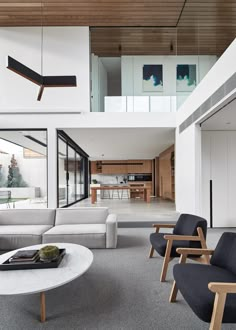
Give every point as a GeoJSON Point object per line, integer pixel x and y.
{"type": "Point", "coordinates": [19, 228]}
{"type": "Point", "coordinates": [92, 227]}
{"type": "Point", "coordinates": [88, 226]}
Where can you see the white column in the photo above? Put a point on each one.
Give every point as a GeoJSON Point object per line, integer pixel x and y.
{"type": "Point", "coordinates": [198, 168]}
{"type": "Point", "coordinates": [52, 168]}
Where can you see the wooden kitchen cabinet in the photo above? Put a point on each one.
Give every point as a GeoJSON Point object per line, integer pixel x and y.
{"type": "Point", "coordinates": [147, 166]}
{"type": "Point", "coordinates": [139, 166]}
{"type": "Point", "coordinates": [114, 167]}
{"type": "Point", "coordinates": [96, 167]}
{"type": "Point", "coordinates": [122, 166]}
{"type": "Point", "coordinates": [167, 174]}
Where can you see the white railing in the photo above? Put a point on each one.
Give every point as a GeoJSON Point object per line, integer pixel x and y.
{"type": "Point", "coordinates": [140, 104]}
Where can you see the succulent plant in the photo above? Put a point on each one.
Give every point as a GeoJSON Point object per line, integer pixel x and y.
{"type": "Point", "coordinates": [49, 252]}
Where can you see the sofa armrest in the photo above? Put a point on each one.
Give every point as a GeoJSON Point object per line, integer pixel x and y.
{"type": "Point", "coordinates": [111, 231]}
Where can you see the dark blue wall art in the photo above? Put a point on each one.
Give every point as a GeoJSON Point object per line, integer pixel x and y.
{"type": "Point", "coordinates": [186, 77]}
{"type": "Point", "coordinates": [152, 78]}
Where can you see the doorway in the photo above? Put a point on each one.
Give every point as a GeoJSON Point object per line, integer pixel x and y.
{"type": "Point", "coordinates": [72, 167]}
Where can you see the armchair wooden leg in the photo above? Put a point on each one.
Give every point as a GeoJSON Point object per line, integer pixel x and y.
{"type": "Point", "coordinates": [203, 244]}
{"type": "Point", "coordinates": [166, 261]}
{"type": "Point", "coordinates": [151, 252]}
{"type": "Point", "coordinates": [173, 293]}
{"type": "Point", "coordinates": [152, 249]}
{"type": "Point", "coordinates": [174, 289]}
{"type": "Point", "coordinates": [43, 307]}
{"type": "Point", "coordinates": [218, 311]}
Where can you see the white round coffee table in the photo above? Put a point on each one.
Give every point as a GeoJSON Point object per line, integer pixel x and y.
{"type": "Point", "coordinates": [76, 262]}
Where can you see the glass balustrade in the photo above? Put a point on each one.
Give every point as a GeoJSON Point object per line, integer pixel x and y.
{"type": "Point", "coordinates": [140, 104]}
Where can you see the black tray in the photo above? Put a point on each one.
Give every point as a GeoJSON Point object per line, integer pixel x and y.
{"type": "Point", "coordinates": [6, 265]}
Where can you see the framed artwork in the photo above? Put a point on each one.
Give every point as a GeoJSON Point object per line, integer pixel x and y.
{"type": "Point", "coordinates": [152, 78]}
{"type": "Point", "coordinates": [186, 77]}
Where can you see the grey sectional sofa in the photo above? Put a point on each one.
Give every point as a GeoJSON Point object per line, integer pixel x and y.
{"type": "Point", "coordinates": [92, 227]}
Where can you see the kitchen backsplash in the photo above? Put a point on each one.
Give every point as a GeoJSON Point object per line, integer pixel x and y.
{"type": "Point", "coordinates": [107, 179]}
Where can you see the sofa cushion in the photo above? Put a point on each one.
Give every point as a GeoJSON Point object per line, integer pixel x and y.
{"type": "Point", "coordinates": [80, 215]}
{"type": "Point", "coordinates": [192, 281]}
{"type": "Point", "coordinates": [224, 252]}
{"type": "Point", "coordinates": [159, 243]}
{"type": "Point", "coordinates": [89, 235]}
{"type": "Point", "coordinates": [187, 224]}
{"type": "Point", "coordinates": [18, 236]}
{"type": "Point", "coordinates": [27, 217]}
{"type": "Point", "coordinates": [77, 229]}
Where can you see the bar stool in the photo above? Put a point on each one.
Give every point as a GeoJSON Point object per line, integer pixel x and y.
{"type": "Point", "coordinates": [125, 193]}
{"type": "Point", "coordinates": [105, 194]}
{"type": "Point", "coordinates": [115, 193]}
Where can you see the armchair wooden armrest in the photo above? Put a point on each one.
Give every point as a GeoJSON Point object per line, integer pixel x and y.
{"type": "Point", "coordinates": [158, 226]}
{"type": "Point", "coordinates": [195, 251]}
{"type": "Point", "coordinates": [164, 225]}
{"type": "Point", "coordinates": [182, 238]}
{"type": "Point", "coordinates": [219, 287]}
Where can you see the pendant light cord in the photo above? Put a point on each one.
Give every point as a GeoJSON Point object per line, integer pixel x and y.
{"type": "Point", "coordinates": [42, 37]}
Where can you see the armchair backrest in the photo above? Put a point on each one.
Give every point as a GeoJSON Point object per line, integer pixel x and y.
{"type": "Point", "coordinates": [187, 224]}
{"type": "Point", "coordinates": [225, 251]}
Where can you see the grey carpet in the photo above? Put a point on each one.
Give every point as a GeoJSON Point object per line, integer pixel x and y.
{"type": "Point", "coordinates": [121, 291]}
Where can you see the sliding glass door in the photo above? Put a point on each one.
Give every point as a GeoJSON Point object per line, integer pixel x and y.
{"type": "Point", "coordinates": [72, 171]}
{"type": "Point", "coordinates": [62, 173]}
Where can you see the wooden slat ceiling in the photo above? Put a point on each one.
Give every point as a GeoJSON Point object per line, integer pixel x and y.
{"type": "Point", "coordinates": [90, 12]}
{"type": "Point", "coordinates": [134, 27]}
{"type": "Point", "coordinates": [161, 41]}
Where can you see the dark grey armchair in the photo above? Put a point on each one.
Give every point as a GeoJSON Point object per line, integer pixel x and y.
{"type": "Point", "coordinates": [210, 290]}
{"type": "Point", "coordinates": [189, 232]}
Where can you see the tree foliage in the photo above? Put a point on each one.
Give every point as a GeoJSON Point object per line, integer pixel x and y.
{"type": "Point", "coordinates": [14, 178]}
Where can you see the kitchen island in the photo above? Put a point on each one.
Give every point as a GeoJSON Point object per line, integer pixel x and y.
{"type": "Point", "coordinates": [140, 190]}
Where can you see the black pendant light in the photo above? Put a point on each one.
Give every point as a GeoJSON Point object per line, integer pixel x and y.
{"type": "Point", "coordinates": [40, 79]}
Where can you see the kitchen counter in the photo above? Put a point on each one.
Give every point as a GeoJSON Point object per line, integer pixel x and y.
{"type": "Point", "coordinates": [141, 190]}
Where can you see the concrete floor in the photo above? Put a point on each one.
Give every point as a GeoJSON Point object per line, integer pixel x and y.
{"type": "Point", "coordinates": [130, 212]}
{"type": "Point", "coordinates": [136, 210]}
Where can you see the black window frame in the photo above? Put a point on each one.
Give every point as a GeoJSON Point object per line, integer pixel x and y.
{"type": "Point", "coordinates": [61, 135]}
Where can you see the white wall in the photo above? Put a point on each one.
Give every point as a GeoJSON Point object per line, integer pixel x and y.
{"type": "Point", "coordinates": [95, 83]}
{"type": "Point", "coordinates": [132, 71]}
{"type": "Point", "coordinates": [33, 170]}
{"type": "Point", "coordinates": [188, 143]}
{"type": "Point", "coordinates": [103, 91]}
{"type": "Point", "coordinates": [99, 84]}
{"type": "Point", "coordinates": [114, 86]}
{"type": "Point", "coordinates": [65, 52]}
{"type": "Point", "coordinates": [108, 179]}
{"type": "Point", "coordinates": [187, 170]}
{"type": "Point", "coordinates": [223, 69]}
{"type": "Point", "coordinates": [218, 165]}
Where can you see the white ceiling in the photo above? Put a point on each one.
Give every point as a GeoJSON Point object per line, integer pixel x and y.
{"type": "Point", "coordinates": [224, 119]}
{"type": "Point", "coordinates": [19, 138]}
{"type": "Point", "coordinates": [122, 143]}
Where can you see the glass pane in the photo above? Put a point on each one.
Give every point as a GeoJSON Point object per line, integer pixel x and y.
{"type": "Point", "coordinates": [71, 176]}
{"type": "Point", "coordinates": [78, 177]}
{"type": "Point", "coordinates": [23, 169]}
{"type": "Point", "coordinates": [62, 166]}
{"type": "Point", "coordinates": [82, 177]}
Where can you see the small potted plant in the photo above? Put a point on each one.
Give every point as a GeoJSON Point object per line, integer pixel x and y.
{"type": "Point", "coordinates": [49, 253]}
